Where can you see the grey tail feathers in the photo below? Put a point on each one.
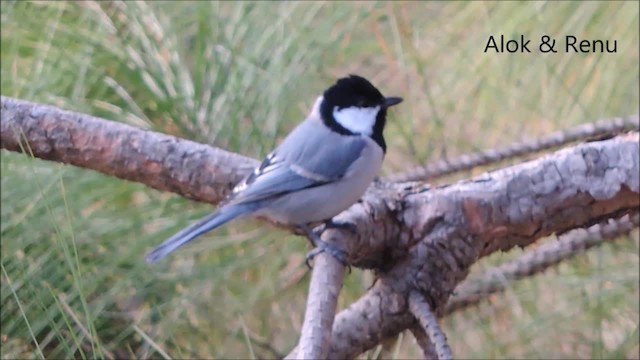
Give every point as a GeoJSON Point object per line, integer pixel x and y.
{"type": "Point", "coordinates": [202, 226]}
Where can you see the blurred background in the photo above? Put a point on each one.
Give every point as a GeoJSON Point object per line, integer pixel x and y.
{"type": "Point", "coordinates": [240, 75]}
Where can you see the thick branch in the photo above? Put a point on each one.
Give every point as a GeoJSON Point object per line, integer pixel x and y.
{"type": "Point", "coordinates": [601, 128]}
{"type": "Point", "coordinates": [536, 261]}
{"type": "Point", "coordinates": [196, 171]}
{"type": "Point", "coordinates": [445, 230]}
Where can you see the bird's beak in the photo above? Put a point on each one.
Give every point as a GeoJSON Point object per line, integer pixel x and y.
{"type": "Point", "coordinates": [390, 101]}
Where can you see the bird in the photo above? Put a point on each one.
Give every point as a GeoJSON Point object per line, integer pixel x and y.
{"type": "Point", "coordinates": [321, 168]}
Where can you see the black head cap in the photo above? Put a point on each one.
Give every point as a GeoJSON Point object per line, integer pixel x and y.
{"type": "Point", "coordinates": [356, 91]}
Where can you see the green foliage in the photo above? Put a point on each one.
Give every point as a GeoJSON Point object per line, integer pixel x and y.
{"type": "Point", "coordinates": [240, 75]}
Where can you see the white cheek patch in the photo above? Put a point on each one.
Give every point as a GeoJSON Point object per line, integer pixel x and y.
{"type": "Point", "coordinates": [356, 119]}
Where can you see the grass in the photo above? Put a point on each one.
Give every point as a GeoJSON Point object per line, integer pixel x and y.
{"type": "Point", "coordinates": [239, 75]}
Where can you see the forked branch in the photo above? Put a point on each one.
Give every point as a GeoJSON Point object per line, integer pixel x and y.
{"type": "Point", "coordinates": [417, 238]}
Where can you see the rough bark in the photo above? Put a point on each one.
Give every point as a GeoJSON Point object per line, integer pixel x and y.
{"type": "Point", "coordinates": [547, 255]}
{"type": "Point", "coordinates": [429, 322]}
{"type": "Point", "coordinates": [324, 289]}
{"type": "Point", "coordinates": [424, 343]}
{"type": "Point", "coordinates": [433, 236]}
{"type": "Point", "coordinates": [417, 238]}
{"type": "Point", "coordinates": [600, 129]}
{"type": "Point", "coordinates": [195, 171]}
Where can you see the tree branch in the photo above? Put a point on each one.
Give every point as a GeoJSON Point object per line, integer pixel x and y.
{"type": "Point", "coordinates": [195, 171]}
{"type": "Point", "coordinates": [422, 311]}
{"type": "Point", "coordinates": [603, 128]}
{"type": "Point", "coordinates": [324, 288]}
{"type": "Point", "coordinates": [449, 228]}
{"type": "Point", "coordinates": [425, 344]}
{"type": "Point", "coordinates": [471, 292]}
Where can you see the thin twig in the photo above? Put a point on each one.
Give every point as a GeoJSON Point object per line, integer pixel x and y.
{"type": "Point", "coordinates": [540, 259]}
{"type": "Point", "coordinates": [425, 344]}
{"type": "Point", "coordinates": [441, 168]}
{"type": "Point", "coordinates": [420, 308]}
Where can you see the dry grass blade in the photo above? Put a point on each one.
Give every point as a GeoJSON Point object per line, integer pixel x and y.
{"type": "Point", "coordinates": [83, 329]}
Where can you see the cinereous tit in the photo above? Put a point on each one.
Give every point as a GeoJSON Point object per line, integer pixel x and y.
{"type": "Point", "coordinates": [320, 169]}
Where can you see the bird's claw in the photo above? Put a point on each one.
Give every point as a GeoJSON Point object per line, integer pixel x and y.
{"type": "Point", "coordinates": [310, 255]}
{"type": "Point", "coordinates": [333, 224]}
{"type": "Point", "coordinates": [323, 246]}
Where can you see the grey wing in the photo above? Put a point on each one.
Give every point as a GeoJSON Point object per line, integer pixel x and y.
{"type": "Point", "coordinates": [310, 156]}
{"type": "Point", "coordinates": [321, 151]}
{"type": "Point", "coordinates": [274, 177]}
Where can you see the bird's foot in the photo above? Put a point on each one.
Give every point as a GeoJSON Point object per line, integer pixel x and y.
{"type": "Point", "coordinates": [331, 249]}
{"type": "Point", "coordinates": [333, 224]}
{"type": "Point", "coordinates": [323, 246]}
